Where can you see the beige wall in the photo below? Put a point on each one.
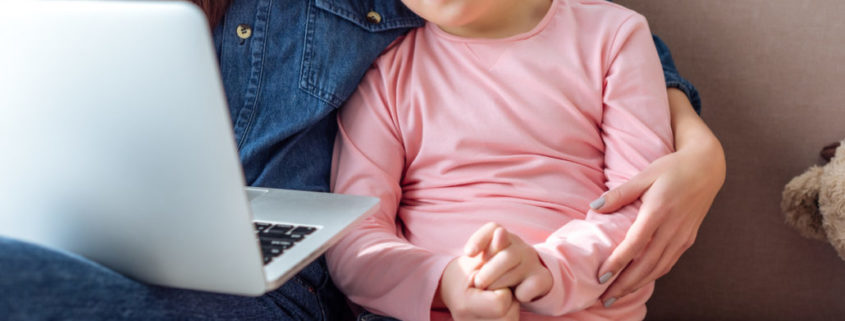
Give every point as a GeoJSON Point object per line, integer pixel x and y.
{"type": "Point", "coordinates": [772, 78]}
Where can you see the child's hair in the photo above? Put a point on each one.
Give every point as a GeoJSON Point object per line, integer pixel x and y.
{"type": "Point", "coordinates": [214, 9]}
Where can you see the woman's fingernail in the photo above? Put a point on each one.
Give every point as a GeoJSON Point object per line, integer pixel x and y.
{"type": "Point", "coordinates": [598, 203]}
{"type": "Point", "coordinates": [609, 302]}
{"type": "Point", "coordinates": [605, 277]}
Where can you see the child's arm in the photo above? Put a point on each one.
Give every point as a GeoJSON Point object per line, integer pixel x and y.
{"type": "Point", "coordinates": [635, 130]}
{"type": "Point", "coordinates": [374, 265]}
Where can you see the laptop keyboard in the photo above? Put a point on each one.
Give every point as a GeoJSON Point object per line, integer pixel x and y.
{"type": "Point", "coordinates": [277, 238]}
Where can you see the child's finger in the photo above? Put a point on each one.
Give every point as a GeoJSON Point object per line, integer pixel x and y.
{"type": "Point", "coordinates": [532, 288]}
{"type": "Point", "coordinates": [471, 279]}
{"type": "Point", "coordinates": [494, 269]}
{"type": "Point", "coordinates": [499, 242]}
{"type": "Point", "coordinates": [479, 240]}
{"type": "Point", "coordinates": [489, 304]}
{"type": "Point", "coordinates": [512, 313]}
{"type": "Point", "coordinates": [510, 279]}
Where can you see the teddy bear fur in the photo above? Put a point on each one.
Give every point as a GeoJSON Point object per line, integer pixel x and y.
{"type": "Point", "coordinates": [814, 202]}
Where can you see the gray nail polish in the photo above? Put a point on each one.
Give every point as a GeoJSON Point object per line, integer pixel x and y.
{"type": "Point", "coordinates": [609, 302]}
{"type": "Point", "coordinates": [598, 203]}
{"type": "Point", "coordinates": [603, 279]}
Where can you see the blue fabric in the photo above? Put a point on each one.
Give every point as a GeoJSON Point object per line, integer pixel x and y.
{"type": "Point", "coordinates": [284, 82]}
{"type": "Point", "coordinates": [43, 284]}
{"type": "Point", "coordinates": [673, 77]}
{"type": "Point", "coordinates": [283, 85]}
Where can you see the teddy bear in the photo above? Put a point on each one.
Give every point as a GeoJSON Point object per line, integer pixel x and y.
{"type": "Point", "coordinates": [814, 202]}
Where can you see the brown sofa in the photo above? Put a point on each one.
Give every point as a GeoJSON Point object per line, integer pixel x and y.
{"type": "Point", "coordinates": [772, 77]}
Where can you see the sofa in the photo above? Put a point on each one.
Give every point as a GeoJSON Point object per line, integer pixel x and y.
{"type": "Point", "coordinates": [771, 75]}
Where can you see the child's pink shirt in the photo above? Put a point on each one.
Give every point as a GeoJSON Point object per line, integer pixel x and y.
{"type": "Point", "coordinates": [451, 133]}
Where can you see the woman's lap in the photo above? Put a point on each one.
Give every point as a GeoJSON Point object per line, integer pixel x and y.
{"type": "Point", "coordinates": [39, 283]}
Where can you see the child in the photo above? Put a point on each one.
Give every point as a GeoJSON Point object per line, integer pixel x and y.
{"type": "Point", "coordinates": [518, 112]}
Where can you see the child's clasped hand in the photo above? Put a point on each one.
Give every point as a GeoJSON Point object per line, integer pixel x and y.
{"type": "Point", "coordinates": [497, 273]}
{"type": "Point", "coordinates": [508, 262]}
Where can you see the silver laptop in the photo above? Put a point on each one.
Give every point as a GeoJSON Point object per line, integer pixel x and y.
{"type": "Point", "coordinates": [115, 144]}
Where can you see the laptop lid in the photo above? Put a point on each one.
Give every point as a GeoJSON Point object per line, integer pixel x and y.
{"type": "Point", "coordinates": [117, 144]}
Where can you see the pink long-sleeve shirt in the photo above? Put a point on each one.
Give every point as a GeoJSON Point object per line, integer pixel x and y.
{"type": "Point", "coordinates": [451, 133]}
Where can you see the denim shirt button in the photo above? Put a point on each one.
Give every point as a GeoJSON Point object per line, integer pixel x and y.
{"type": "Point", "coordinates": [373, 17]}
{"type": "Point", "coordinates": [244, 31]}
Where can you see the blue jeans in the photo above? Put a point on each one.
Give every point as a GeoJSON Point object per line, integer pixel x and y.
{"type": "Point", "coordinates": [38, 283]}
{"type": "Point", "coordinates": [367, 316]}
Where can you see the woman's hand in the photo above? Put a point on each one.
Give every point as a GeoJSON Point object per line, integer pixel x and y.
{"type": "Point", "coordinates": [676, 191]}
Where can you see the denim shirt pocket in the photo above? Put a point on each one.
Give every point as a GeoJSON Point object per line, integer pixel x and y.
{"type": "Point", "coordinates": [341, 43]}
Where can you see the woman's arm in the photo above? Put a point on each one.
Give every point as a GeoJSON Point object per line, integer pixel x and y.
{"type": "Point", "coordinates": [676, 192]}
{"type": "Point", "coordinates": [635, 131]}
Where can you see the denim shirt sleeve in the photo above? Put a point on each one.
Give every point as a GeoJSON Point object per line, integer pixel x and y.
{"type": "Point", "coordinates": [673, 77]}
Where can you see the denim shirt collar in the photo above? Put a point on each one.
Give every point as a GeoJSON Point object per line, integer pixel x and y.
{"type": "Point", "coordinates": [393, 13]}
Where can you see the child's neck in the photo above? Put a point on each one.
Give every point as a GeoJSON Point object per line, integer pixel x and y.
{"type": "Point", "coordinates": [504, 22]}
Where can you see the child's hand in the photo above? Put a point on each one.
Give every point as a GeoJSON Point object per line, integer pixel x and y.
{"type": "Point", "coordinates": [507, 262]}
{"type": "Point", "coordinates": [466, 302]}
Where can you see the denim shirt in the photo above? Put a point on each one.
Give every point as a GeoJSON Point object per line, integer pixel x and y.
{"type": "Point", "coordinates": [288, 65]}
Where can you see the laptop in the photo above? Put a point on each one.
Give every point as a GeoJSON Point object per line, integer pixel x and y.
{"type": "Point", "coordinates": [116, 145]}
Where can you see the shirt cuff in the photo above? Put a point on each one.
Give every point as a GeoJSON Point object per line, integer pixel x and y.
{"type": "Point", "coordinates": [552, 302]}
{"type": "Point", "coordinates": [674, 80]}
{"type": "Point", "coordinates": [436, 272]}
